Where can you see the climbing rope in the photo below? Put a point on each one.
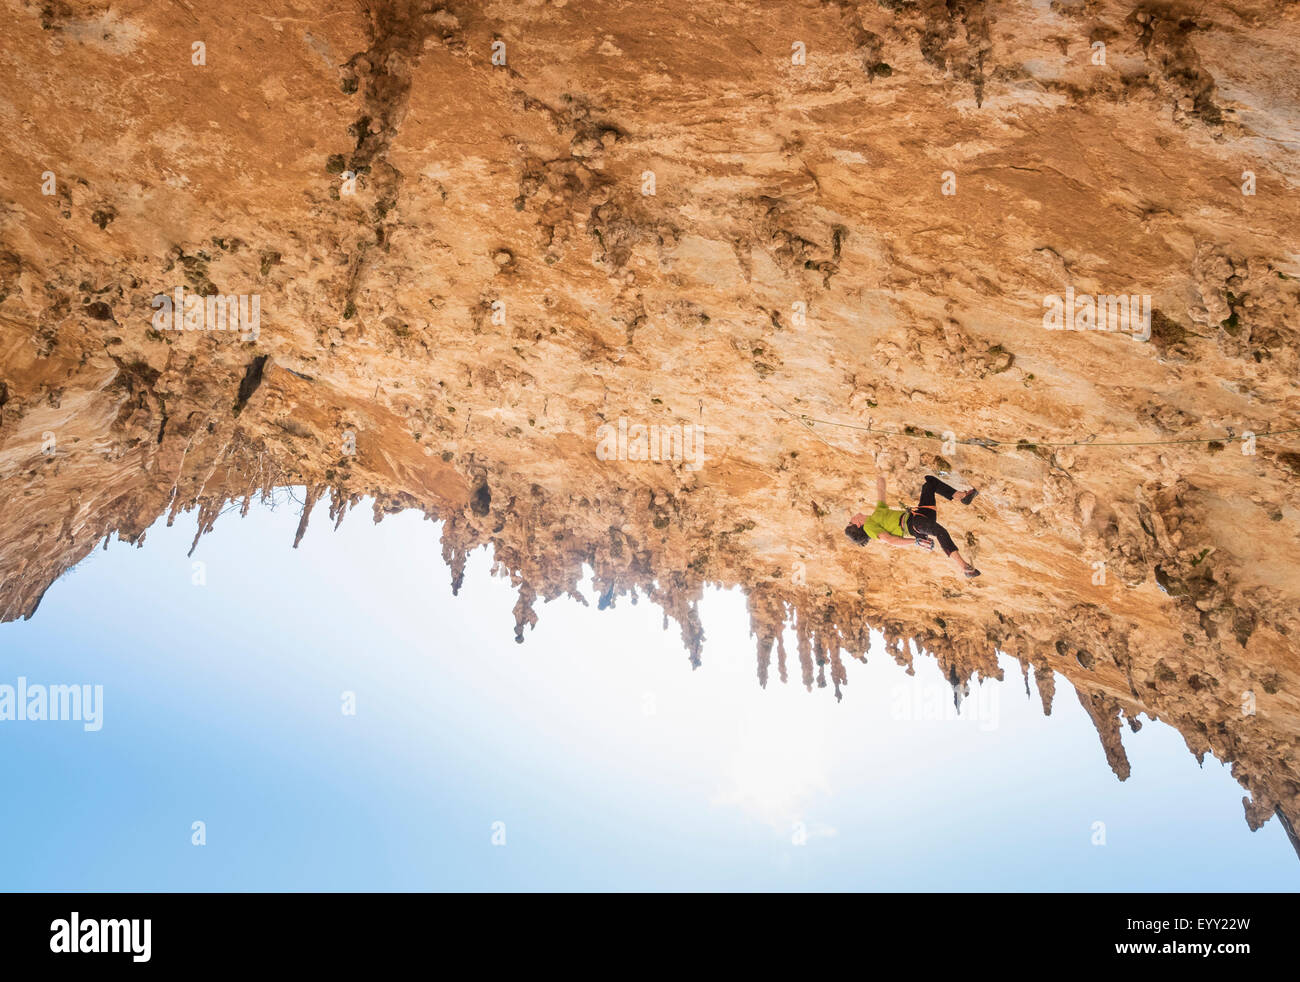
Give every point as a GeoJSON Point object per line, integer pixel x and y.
{"type": "Point", "coordinates": [807, 422]}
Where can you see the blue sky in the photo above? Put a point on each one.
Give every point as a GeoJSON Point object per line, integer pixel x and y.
{"type": "Point", "coordinates": [607, 761]}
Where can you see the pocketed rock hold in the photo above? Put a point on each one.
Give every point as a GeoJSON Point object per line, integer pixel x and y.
{"type": "Point", "coordinates": [481, 502]}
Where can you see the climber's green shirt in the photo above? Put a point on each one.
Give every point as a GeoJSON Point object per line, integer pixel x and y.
{"type": "Point", "coordinates": [885, 519]}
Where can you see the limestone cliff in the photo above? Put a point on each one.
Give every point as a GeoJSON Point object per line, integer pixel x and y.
{"type": "Point", "coordinates": [818, 238]}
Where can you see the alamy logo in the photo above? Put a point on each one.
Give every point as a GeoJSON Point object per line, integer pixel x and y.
{"type": "Point", "coordinates": [921, 702]}
{"type": "Point", "coordinates": [104, 936]}
{"type": "Point", "coordinates": [1105, 312]}
{"type": "Point", "coordinates": [684, 442]}
{"type": "Point", "coordinates": [53, 702]}
{"type": "Point", "coordinates": [219, 312]}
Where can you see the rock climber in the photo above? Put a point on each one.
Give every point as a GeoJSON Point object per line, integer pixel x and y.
{"type": "Point", "coordinates": [908, 526]}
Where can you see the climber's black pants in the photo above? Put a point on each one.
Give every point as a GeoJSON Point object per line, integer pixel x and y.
{"type": "Point", "coordinates": [923, 519]}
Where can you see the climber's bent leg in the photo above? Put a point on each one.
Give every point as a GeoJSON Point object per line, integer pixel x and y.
{"type": "Point", "coordinates": [930, 488]}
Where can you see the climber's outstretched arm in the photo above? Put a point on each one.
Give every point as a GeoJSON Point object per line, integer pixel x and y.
{"type": "Point", "coordinates": [880, 490]}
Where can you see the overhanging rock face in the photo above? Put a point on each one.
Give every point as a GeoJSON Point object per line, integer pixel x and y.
{"type": "Point", "coordinates": [663, 288]}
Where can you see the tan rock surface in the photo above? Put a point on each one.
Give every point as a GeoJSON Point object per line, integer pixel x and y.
{"type": "Point", "coordinates": [499, 286]}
